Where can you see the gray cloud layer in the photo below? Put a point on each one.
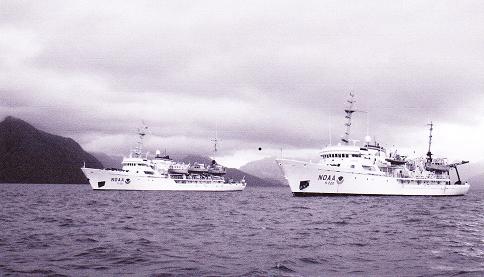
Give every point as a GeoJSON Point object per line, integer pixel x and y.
{"type": "Point", "coordinates": [266, 73]}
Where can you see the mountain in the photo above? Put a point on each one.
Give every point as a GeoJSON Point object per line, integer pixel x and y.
{"type": "Point", "coordinates": [266, 169]}
{"type": "Point", "coordinates": [232, 173]}
{"type": "Point", "coordinates": [108, 161]}
{"type": "Point", "coordinates": [477, 182]}
{"type": "Point", "coordinates": [29, 155]}
{"type": "Point", "coordinates": [473, 172]}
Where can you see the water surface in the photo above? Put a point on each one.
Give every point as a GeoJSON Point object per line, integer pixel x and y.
{"type": "Point", "coordinates": [72, 230]}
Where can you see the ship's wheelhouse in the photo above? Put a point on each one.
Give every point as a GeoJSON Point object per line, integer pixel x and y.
{"type": "Point", "coordinates": [138, 165]}
{"type": "Point", "coordinates": [340, 152]}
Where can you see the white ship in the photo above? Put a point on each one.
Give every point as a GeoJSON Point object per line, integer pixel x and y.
{"type": "Point", "coordinates": [368, 170]}
{"type": "Point", "coordinates": [139, 172]}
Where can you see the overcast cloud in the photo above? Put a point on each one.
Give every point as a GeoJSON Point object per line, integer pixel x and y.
{"type": "Point", "coordinates": [267, 74]}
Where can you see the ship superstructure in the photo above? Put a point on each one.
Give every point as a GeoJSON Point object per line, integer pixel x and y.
{"type": "Point", "coordinates": [369, 169]}
{"type": "Point", "coordinates": [141, 172]}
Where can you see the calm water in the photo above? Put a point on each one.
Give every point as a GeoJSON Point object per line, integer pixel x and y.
{"type": "Point", "coordinates": [72, 230]}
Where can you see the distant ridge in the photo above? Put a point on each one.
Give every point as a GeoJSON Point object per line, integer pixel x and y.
{"type": "Point", "coordinates": [477, 182]}
{"type": "Point", "coordinates": [108, 161]}
{"type": "Point", "coordinates": [266, 169]}
{"type": "Point", "coordinates": [29, 155]}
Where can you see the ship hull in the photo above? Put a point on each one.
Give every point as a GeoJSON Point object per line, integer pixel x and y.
{"type": "Point", "coordinates": [307, 178]}
{"type": "Point", "coordinates": [101, 179]}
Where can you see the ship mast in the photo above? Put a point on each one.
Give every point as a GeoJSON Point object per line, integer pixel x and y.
{"type": "Point", "coordinates": [141, 133]}
{"type": "Point", "coordinates": [349, 112]}
{"type": "Point", "coordinates": [214, 166]}
{"type": "Point", "coordinates": [215, 141]}
{"type": "Point", "coordinates": [429, 154]}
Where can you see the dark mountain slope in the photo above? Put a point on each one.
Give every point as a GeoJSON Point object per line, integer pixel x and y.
{"type": "Point", "coordinates": [108, 161]}
{"type": "Point", "coordinates": [28, 155]}
{"type": "Point", "coordinates": [266, 169]}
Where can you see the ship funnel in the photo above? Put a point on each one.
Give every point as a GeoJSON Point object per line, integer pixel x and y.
{"type": "Point", "coordinates": [158, 152]}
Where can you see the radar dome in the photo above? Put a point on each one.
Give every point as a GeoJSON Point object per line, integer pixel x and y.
{"type": "Point", "coordinates": [368, 139]}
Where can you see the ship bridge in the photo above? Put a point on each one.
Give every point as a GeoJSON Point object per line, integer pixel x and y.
{"type": "Point", "coordinates": [340, 151]}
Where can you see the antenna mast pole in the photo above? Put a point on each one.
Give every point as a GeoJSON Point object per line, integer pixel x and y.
{"type": "Point", "coordinates": [349, 112]}
{"type": "Point", "coordinates": [329, 129]}
{"type": "Point", "coordinates": [141, 134]}
{"type": "Point", "coordinates": [429, 154]}
{"type": "Point", "coordinates": [215, 140]}
{"type": "Point", "coordinates": [367, 124]}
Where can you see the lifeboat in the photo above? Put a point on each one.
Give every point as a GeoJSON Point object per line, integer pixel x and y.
{"type": "Point", "coordinates": [437, 165]}
{"type": "Point", "coordinates": [216, 169]}
{"type": "Point", "coordinates": [179, 168]}
{"type": "Point", "coordinates": [197, 168]}
{"type": "Point", "coordinates": [396, 159]}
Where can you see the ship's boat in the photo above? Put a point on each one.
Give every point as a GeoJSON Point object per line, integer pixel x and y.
{"type": "Point", "coordinates": [216, 169]}
{"type": "Point", "coordinates": [396, 159]}
{"type": "Point", "coordinates": [179, 168]}
{"type": "Point", "coordinates": [197, 168]}
{"type": "Point", "coordinates": [437, 165]}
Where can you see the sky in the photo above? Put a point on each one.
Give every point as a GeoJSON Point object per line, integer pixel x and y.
{"type": "Point", "coordinates": [273, 75]}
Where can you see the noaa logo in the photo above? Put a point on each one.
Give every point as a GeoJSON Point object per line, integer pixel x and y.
{"type": "Point", "coordinates": [340, 180]}
{"type": "Point", "coordinates": [127, 181]}
{"type": "Point", "coordinates": [303, 184]}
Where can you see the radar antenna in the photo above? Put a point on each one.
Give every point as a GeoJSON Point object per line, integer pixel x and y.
{"type": "Point", "coordinates": [429, 154]}
{"type": "Point", "coordinates": [349, 112]}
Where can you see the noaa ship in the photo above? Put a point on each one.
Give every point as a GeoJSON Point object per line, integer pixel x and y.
{"type": "Point", "coordinates": [369, 170]}
{"type": "Point", "coordinates": [140, 172]}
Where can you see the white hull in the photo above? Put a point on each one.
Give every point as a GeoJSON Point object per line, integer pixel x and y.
{"type": "Point", "coordinates": [101, 179]}
{"type": "Point", "coordinates": [307, 178]}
